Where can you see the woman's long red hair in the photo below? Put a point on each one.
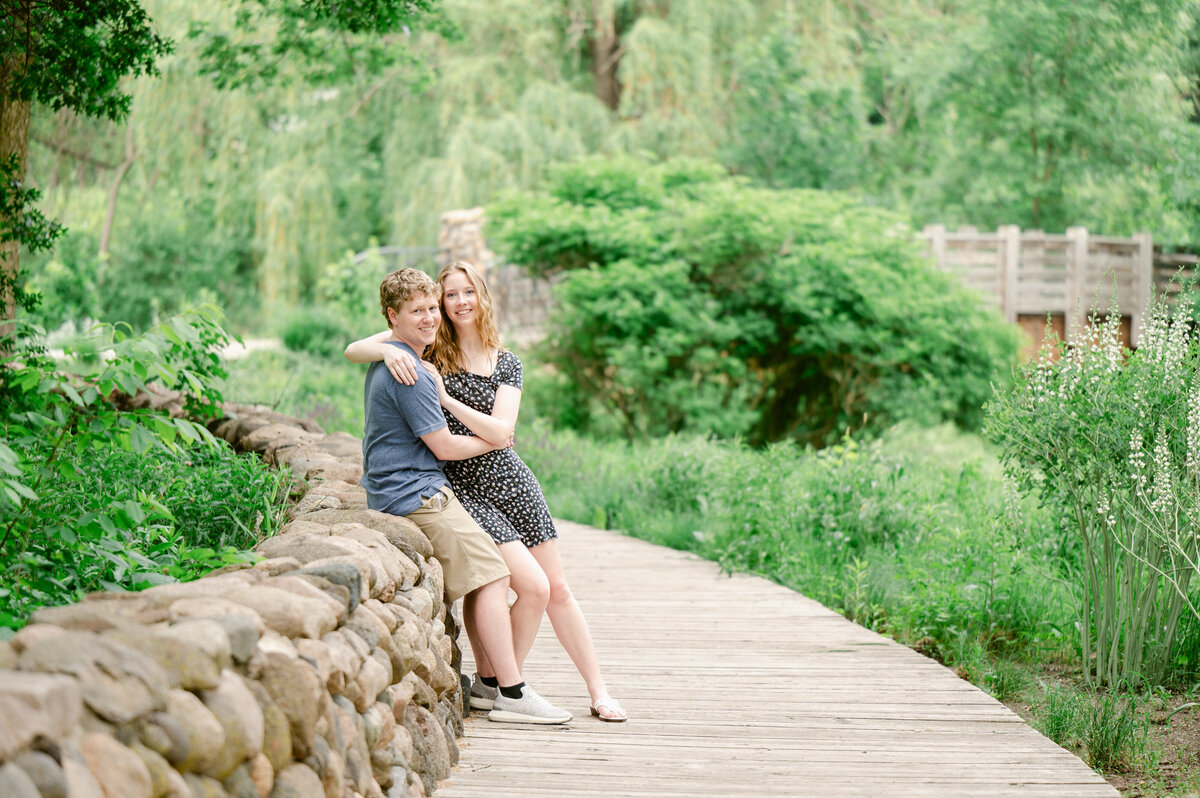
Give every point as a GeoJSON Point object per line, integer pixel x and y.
{"type": "Point", "coordinates": [447, 351]}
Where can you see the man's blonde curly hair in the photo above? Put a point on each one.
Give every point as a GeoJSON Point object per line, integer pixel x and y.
{"type": "Point", "coordinates": [401, 286]}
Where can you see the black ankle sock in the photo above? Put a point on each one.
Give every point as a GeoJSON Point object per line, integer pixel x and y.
{"type": "Point", "coordinates": [490, 681]}
{"type": "Point", "coordinates": [512, 692]}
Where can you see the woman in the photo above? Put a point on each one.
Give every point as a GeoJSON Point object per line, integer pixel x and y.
{"type": "Point", "coordinates": [479, 383]}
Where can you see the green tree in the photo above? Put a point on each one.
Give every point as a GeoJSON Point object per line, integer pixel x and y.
{"type": "Point", "coordinates": [1051, 95]}
{"type": "Point", "coordinates": [65, 54]}
{"type": "Point", "coordinates": [76, 56]}
{"type": "Point", "coordinates": [693, 302]}
{"type": "Point", "coordinates": [793, 128]}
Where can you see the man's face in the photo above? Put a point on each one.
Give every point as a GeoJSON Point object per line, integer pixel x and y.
{"type": "Point", "coordinates": [417, 322]}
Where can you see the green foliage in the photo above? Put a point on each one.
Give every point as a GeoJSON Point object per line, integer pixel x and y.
{"type": "Point", "coordinates": [78, 513]}
{"type": "Point", "coordinates": [792, 128]}
{"type": "Point", "coordinates": [690, 301]}
{"type": "Point", "coordinates": [128, 520]}
{"type": "Point", "coordinates": [1110, 440]}
{"type": "Point", "coordinates": [351, 285]}
{"type": "Point", "coordinates": [170, 261]}
{"type": "Point", "coordinates": [23, 224]}
{"type": "Point", "coordinates": [20, 221]}
{"type": "Point", "coordinates": [328, 390]}
{"type": "Point", "coordinates": [1026, 92]}
{"type": "Point", "coordinates": [67, 284]}
{"type": "Point", "coordinates": [1104, 728]}
{"type": "Point", "coordinates": [915, 534]}
{"type": "Point", "coordinates": [75, 54]}
{"type": "Point", "coordinates": [336, 41]}
{"type": "Point", "coordinates": [317, 330]}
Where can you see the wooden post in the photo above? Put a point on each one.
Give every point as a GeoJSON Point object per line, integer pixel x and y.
{"type": "Point", "coordinates": [1010, 261]}
{"type": "Point", "coordinates": [1077, 261]}
{"type": "Point", "coordinates": [1143, 285]}
{"type": "Point", "coordinates": [935, 237]}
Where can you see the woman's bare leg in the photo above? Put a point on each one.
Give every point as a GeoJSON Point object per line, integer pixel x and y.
{"type": "Point", "coordinates": [567, 619]}
{"type": "Point", "coordinates": [533, 592]}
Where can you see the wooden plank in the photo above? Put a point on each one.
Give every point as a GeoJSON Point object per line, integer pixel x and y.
{"type": "Point", "coordinates": [738, 686]}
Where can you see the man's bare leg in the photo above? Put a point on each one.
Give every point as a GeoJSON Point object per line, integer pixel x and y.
{"type": "Point", "coordinates": [485, 614]}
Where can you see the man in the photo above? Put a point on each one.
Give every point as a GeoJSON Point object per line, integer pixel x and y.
{"type": "Point", "coordinates": [404, 440]}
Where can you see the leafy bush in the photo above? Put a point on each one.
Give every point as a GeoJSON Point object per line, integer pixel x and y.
{"type": "Point", "coordinates": [128, 520]}
{"type": "Point", "coordinates": [317, 330]}
{"type": "Point", "coordinates": [1111, 440]}
{"type": "Point", "coordinates": [97, 495]}
{"type": "Point", "coordinates": [691, 302]}
{"type": "Point", "coordinates": [353, 287]}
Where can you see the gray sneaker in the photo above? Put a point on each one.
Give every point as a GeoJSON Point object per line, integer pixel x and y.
{"type": "Point", "coordinates": [481, 696]}
{"type": "Point", "coordinates": [529, 708]}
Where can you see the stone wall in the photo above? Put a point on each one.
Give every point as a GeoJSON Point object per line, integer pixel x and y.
{"type": "Point", "coordinates": [328, 669]}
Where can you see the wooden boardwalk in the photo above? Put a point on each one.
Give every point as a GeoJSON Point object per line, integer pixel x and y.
{"type": "Point", "coordinates": [737, 686]}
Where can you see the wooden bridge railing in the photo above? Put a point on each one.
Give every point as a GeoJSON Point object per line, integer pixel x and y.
{"type": "Point", "coordinates": [1030, 273]}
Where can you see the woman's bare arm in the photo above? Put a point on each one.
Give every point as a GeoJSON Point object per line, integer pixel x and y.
{"type": "Point", "coordinates": [496, 428]}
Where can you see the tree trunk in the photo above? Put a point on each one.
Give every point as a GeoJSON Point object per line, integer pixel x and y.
{"type": "Point", "coordinates": [606, 52]}
{"type": "Point", "coordinates": [14, 140]}
{"type": "Point", "coordinates": [115, 189]}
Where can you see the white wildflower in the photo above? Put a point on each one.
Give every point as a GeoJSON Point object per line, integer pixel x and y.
{"type": "Point", "coordinates": [1162, 494]}
{"type": "Point", "coordinates": [1137, 462]}
{"type": "Point", "coordinates": [1193, 430]}
{"type": "Point", "coordinates": [1174, 351]}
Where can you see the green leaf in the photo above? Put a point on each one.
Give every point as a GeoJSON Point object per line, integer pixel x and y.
{"type": "Point", "coordinates": [133, 512]}
{"type": "Point", "coordinates": [187, 429]}
{"type": "Point", "coordinates": [140, 439]}
{"type": "Point", "coordinates": [20, 489]}
{"type": "Point", "coordinates": [164, 428]}
{"type": "Point", "coordinates": [72, 394]}
{"type": "Point", "coordinates": [129, 384]}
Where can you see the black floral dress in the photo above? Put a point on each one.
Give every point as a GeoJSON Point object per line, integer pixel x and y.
{"type": "Point", "coordinates": [496, 488]}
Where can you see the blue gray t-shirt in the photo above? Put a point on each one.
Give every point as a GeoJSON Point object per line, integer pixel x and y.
{"type": "Point", "coordinates": [398, 468]}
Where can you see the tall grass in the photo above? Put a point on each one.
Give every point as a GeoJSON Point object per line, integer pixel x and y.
{"type": "Point", "coordinates": [1104, 728]}
{"type": "Point", "coordinates": [914, 534]}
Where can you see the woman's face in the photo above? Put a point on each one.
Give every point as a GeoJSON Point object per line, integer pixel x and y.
{"type": "Point", "coordinates": [459, 299]}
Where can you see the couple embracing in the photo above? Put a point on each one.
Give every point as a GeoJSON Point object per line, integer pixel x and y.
{"type": "Point", "coordinates": [437, 449]}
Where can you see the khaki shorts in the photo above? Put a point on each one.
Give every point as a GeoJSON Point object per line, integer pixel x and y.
{"type": "Point", "coordinates": [468, 555]}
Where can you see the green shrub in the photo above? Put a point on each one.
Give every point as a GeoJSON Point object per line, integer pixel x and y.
{"type": "Point", "coordinates": [691, 302]}
{"type": "Point", "coordinates": [1110, 440]}
{"type": "Point", "coordinates": [97, 495]}
{"type": "Point", "coordinates": [318, 330]}
{"type": "Point", "coordinates": [128, 520]}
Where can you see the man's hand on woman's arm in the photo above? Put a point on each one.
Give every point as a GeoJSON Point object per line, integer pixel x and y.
{"type": "Point", "coordinates": [401, 364]}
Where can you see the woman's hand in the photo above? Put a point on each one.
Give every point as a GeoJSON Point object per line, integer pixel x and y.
{"type": "Point", "coordinates": [401, 364]}
{"type": "Point", "coordinates": [443, 397]}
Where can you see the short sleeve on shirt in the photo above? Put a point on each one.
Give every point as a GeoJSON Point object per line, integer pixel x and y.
{"type": "Point", "coordinates": [508, 370]}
